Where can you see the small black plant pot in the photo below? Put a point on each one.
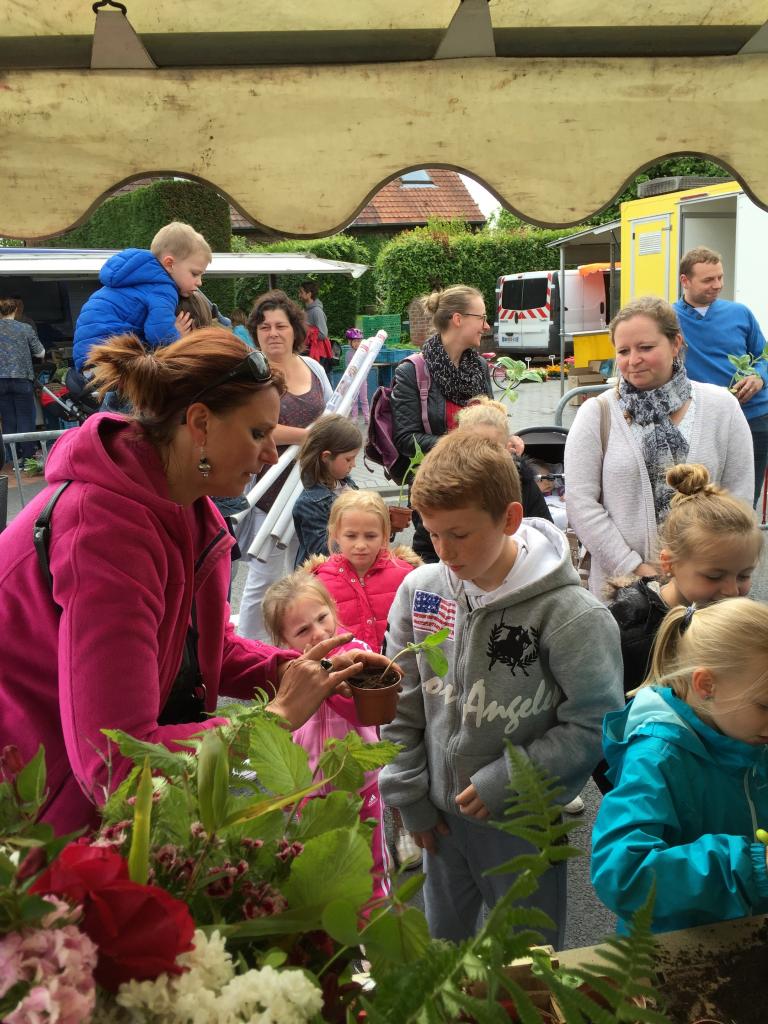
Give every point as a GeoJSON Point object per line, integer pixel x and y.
{"type": "Point", "coordinates": [375, 695]}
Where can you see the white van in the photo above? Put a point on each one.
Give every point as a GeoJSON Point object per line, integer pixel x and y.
{"type": "Point", "coordinates": [528, 308]}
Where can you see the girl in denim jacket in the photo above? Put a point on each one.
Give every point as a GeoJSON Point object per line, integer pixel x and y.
{"type": "Point", "coordinates": [326, 458]}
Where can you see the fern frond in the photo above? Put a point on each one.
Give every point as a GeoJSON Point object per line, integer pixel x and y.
{"type": "Point", "coordinates": [622, 976]}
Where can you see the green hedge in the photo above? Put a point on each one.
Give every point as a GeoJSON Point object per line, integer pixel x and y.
{"type": "Point", "coordinates": [132, 220]}
{"type": "Point", "coordinates": [339, 294]}
{"type": "Point", "coordinates": [418, 261]}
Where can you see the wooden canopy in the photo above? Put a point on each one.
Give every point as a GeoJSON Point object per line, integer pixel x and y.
{"type": "Point", "coordinates": [298, 112]}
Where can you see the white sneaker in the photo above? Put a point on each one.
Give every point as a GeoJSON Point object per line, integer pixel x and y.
{"type": "Point", "coordinates": [408, 853]}
{"type": "Point", "coordinates": [576, 806]}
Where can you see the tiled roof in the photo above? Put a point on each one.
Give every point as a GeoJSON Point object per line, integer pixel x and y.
{"type": "Point", "coordinates": [399, 204]}
{"type": "Point", "coordinates": [395, 204]}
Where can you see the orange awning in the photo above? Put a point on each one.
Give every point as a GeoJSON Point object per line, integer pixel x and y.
{"type": "Point", "coordinates": [596, 268]}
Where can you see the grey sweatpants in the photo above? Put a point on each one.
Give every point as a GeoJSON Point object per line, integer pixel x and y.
{"type": "Point", "coordinates": [456, 888]}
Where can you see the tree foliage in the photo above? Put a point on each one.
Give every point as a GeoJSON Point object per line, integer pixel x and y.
{"type": "Point", "coordinates": [339, 294]}
{"type": "Point", "coordinates": [131, 220]}
{"type": "Point", "coordinates": [418, 261]}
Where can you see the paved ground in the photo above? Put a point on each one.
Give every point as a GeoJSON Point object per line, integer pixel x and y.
{"type": "Point", "coordinates": [588, 920]}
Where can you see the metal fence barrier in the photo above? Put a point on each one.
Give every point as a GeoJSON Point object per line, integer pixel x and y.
{"type": "Point", "coordinates": [585, 389]}
{"type": "Point", "coordinates": [36, 437]}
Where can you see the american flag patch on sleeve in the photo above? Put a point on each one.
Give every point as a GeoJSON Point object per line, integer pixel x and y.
{"type": "Point", "coordinates": [431, 612]}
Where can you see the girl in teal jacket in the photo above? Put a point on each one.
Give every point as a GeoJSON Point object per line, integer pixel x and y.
{"type": "Point", "coordinates": [688, 761]}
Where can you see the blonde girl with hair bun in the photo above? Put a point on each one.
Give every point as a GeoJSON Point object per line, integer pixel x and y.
{"type": "Point", "coordinates": [485, 417]}
{"type": "Point", "coordinates": [453, 373]}
{"type": "Point", "coordinates": [300, 613]}
{"type": "Point", "coordinates": [363, 573]}
{"type": "Point", "coordinates": [710, 546]}
{"type": "Point", "coordinates": [688, 759]}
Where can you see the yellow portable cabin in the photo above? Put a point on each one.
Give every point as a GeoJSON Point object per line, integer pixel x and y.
{"type": "Point", "coordinates": [656, 231]}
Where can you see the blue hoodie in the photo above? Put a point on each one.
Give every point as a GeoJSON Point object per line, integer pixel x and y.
{"type": "Point", "coordinates": [139, 296]}
{"type": "Point", "coordinates": [684, 812]}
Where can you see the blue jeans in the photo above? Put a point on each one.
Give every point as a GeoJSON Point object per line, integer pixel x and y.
{"type": "Point", "coordinates": [17, 411]}
{"type": "Point", "coordinates": [759, 430]}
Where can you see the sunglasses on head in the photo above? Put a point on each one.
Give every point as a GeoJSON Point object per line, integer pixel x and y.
{"type": "Point", "coordinates": [254, 366]}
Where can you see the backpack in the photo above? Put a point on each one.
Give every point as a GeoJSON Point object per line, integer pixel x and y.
{"type": "Point", "coordinates": [318, 347]}
{"type": "Point", "coordinates": [380, 446]}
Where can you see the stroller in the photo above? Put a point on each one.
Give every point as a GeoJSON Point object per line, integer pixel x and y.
{"type": "Point", "coordinates": [70, 401]}
{"type": "Point", "coordinates": [546, 446]}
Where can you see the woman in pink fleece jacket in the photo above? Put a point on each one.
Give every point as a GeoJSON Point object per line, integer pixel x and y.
{"type": "Point", "coordinates": [138, 554]}
{"type": "Point", "coordinates": [364, 574]}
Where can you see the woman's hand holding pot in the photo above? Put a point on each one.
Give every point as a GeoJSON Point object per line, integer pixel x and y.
{"type": "Point", "coordinates": [306, 681]}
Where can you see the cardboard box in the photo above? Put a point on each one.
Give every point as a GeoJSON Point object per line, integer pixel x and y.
{"type": "Point", "coordinates": [579, 376]}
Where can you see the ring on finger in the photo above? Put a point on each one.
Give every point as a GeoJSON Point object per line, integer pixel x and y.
{"type": "Point", "coordinates": [326, 664]}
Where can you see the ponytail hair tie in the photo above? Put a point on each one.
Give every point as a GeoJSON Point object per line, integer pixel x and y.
{"type": "Point", "coordinates": [686, 619]}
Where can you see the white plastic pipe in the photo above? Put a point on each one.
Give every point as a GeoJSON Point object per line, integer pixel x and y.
{"type": "Point", "coordinates": [263, 484]}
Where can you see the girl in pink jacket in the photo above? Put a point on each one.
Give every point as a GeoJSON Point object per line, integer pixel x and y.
{"type": "Point", "coordinates": [299, 613]}
{"type": "Point", "coordinates": [364, 574]}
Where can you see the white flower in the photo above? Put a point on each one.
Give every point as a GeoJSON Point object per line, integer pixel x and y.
{"type": "Point", "coordinates": [267, 996]}
{"type": "Point", "coordinates": [210, 991]}
{"type": "Point", "coordinates": [209, 960]}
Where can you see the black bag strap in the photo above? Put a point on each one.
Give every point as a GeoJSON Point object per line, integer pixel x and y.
{"type": "Point", "coordinates": [41, 533]}
{"type": "Point", "coordinates": [186, 701]}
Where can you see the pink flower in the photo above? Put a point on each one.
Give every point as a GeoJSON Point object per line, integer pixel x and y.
{"type": "Point", "coordinates": [287, 851]}
{"type": "Point", "coordinates": [59, 964]}
{"type": "Point", "coordinates": [262, 900]}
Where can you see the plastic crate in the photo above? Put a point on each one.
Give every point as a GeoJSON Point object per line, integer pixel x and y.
{"type": "Point", "coordinates": [389, 322]}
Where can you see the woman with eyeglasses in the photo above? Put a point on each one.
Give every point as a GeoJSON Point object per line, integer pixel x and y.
{"type": "Point", "coordinates": [455, 372]}
{"type": "Point", "coordinates": [279, 326]}
{"type": "Point", "coordinates": [119, 618]}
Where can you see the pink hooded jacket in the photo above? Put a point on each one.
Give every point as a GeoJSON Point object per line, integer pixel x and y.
{"type": "Point", "coordinates": [125, 561]}
{"type": "Point", "coordinates": [364, 604]}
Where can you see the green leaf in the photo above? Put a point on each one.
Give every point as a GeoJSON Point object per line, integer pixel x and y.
{"type": "Point", "coordinates": [437, 660]}
{"type": "Point", "coordinates": [161, 759]}
{"type": "Point", "coordinates": [396, 937]}
{"type": "Point", "coordinates": [407, 889]}
{"type": "Point", "coordinates": [212, 781]}
{"type": "Point", "coordinates": [311, 884]}
{"type": "Point", "coordinates": [273, 958]}
{"type": "Point", "coordinates": [435, 639]}
{"type": "Point", "coordinates": [174, 817]}
{"type": "Point", "coordinates": [339, 919]}
{"type": "Point", "coordinates": [292, 922]}
{"type": "Point", "coordinates": [138, 856]}
{"type": "Point", "coordinates": [30, 782]}
{"type": "Point", "coordinates": [337, 810]}
{"type": "Point", "coordinates": [280, 764]}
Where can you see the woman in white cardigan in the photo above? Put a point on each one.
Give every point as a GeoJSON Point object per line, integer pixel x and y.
{"type": "Point", "coordinates": [615, 470]}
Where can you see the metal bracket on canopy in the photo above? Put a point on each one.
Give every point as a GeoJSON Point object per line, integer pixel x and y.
{"type": "Point", "coordinates": [115, 43]}
{"type": "Point", "coordinates": [470, 33]}
{"type": "Point", "coordinates": [758, 42]}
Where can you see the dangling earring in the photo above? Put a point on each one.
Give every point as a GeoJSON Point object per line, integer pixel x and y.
{"type": "Point", "coordinates": [204, 465]}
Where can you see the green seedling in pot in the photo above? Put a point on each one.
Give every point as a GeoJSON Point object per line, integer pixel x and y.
{"type": "Point", "coordinates": [517, 372]}
{"type": "Point", "coordinates": [431, 646]}
{"type": "Point", "coordinates": [746, 365]}
{"type": "Point", "coordinates": [413, 465]}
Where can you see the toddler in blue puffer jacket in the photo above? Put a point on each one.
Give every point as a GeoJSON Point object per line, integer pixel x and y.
{"type": "Point", "coordinates": [141, 290]}
{"type": "Point", "coordinates": [687, 758]}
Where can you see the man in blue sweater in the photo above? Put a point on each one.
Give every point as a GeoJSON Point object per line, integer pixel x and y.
{"type": "Point", "coordinates": [715, 328]}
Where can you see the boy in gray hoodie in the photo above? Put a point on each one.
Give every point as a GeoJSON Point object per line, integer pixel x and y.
{"type": "Point", "coordinates": [534, 660]}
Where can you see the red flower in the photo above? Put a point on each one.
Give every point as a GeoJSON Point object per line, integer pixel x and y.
{"type": "Point", "coordinates": [79, 870]}
{"type": "Point", "coordinates": [139, 929]}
